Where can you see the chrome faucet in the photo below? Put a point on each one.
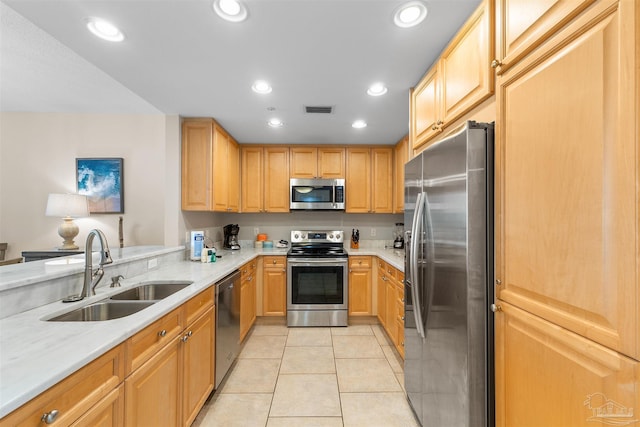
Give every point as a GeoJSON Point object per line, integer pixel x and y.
{"type": "Point", "coordinates": [92, 278]}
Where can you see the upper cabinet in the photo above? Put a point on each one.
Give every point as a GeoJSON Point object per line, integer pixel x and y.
{"type": "Point", "coordinates": [460, 79]}
{"type": "Point", "coordinates": [265, 179]}
{"type": "Point", "coordinates": [369, 180]}
{"type": "Point", "coordinates": [317, 162]}
{"type": "Point", "coordinates": [210, 167]}
{"type": "Point", "coordinates": [523, 25]}
{"type": "Point", "coordinates": [401, 155]}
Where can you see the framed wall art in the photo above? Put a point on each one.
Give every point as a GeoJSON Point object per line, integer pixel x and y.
{"type": "Point", "coordinates": [102, 181]}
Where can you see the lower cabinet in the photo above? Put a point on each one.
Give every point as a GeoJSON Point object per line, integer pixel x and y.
{"type": "Point", "coordinates": [390, 288]}
{"type": "Point", "coordinates": [247, 297]}
{"type": "Point", "coordinates": [170, 385]}
{"type": "Point", "coordinates": [91, 396]}
{"type": "Point", "coordinates": [547, 375]}
{"type": "Point", "coordinates": [275, 286]}
{"type": "Point", "coordinates": [360, 286]}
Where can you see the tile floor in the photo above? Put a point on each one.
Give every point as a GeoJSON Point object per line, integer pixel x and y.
{"type": "Point", "coordinates": [317, 377]}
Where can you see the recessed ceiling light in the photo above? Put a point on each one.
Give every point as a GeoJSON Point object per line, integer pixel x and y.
{"type": "Point", "coordinates": [275, 123]}
{"type": "Point", "coordinates": [359, 124]}
{"type": "Point", "coordinates": [104, 29]}
{"type": "Point", "coordinates": [410, 14]}
{"type": "Point", "coordinates": [377, 89]}
{"type": "Point", "coordinates": [260, 86]}
{"type": "Point", "coordinates": [230, 10]}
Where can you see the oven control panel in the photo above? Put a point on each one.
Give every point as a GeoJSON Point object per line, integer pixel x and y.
{"type": "Point", "coordinates": [314, 236]}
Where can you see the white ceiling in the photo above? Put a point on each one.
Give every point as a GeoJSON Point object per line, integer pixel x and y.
{"type": "Point", "coordinates": [180, 58]}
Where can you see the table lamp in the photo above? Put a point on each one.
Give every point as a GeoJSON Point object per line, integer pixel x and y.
{"type": "Point", "coordinates": [67, 207]}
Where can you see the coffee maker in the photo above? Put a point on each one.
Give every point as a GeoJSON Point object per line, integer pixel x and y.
{"type": "Point", "coordinates": [398, 243]}
{"type": "Point", "coordinates": [231, 236]}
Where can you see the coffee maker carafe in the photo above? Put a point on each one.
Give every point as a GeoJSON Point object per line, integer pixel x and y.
{"type": "Point", "coordinates": [231, 236]}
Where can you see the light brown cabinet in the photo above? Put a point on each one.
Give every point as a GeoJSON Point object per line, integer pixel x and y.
{"type": "Point", "coordinates": [523, 25]}
{"type": "Point", "coordinates": [248, 281]}
{"type": "Point", "coordinates": [360, 275]}
{"type": "Point", "coordinates": [180, 374]}
{"type": "Point", "coordinates": [539, 364]}
{"type": "Point", "coordinates": [274, 286]}
{"type": "Point", "coordinates": [210, 164]}
{"type": "Point", "coordinates": [566, 238]}
{"type": "Point", "coordinates": [369, 181]}
{"type": "Point", "coordinates": [89, 395]}
{"type": "Point", "coordinates": [390, 288]}
{"type": "Point", "coordinates": [400, 157]}
{"type": "Point", "coordinates": [461, 78]}
{"type": "Point", "coordinates": [317, 162]}
{"type": "Point", "coordinates": [265, 179]}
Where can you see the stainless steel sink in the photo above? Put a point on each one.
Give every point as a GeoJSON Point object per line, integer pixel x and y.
{"type": "Point", "coordinates": [152, 291]}
{"type": "Point", "coordinates": [104, 310]}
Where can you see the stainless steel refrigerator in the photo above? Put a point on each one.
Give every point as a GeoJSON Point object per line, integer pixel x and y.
{"type": "Point", "coordinates": [448, 366]}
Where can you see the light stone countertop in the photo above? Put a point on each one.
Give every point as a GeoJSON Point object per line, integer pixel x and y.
{"type": "Point", "coordinates": [35, 354]}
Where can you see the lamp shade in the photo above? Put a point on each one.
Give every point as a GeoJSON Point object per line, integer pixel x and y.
{"type": "Point", "coordinates": [67, 205]}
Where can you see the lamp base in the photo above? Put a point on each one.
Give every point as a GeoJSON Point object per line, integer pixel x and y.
{"type": "Point", "coordinates": [68, 230]}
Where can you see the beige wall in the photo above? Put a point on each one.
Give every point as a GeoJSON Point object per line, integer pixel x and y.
{"type": "Point", "coordinates": [37, 157]}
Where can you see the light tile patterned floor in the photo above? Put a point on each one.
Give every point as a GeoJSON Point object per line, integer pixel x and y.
{"type": "Point", "coordinates": [312, 377]}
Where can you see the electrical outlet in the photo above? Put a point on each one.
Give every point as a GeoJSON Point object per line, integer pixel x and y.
{"type": "Point", "coordinates": [256, 231]}
{"type": "Point", "coordinates": [373, 232]}
{"type": "Point", "coordinates": [152, 263]}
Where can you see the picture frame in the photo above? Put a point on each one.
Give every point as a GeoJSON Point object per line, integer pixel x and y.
{"type": "Point", "coordinates": [101, 179]}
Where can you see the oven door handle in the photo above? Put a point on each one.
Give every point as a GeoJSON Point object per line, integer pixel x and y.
{"type": "Point", "coordinates": [301, 261]}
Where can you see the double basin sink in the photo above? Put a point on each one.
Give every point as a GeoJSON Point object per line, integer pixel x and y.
{"type": "Point", "coordinates": [124, 303]}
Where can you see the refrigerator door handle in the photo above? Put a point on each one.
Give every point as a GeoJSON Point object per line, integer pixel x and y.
{"type": "Point", "coordinates": [416, 234]}
{"type": "Point", "coordinates": [429, 258]}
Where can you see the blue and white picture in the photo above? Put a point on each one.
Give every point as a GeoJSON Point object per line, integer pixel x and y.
{"type": "Point", "coordinates": [102, 182]}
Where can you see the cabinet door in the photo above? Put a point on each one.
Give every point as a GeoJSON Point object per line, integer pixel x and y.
{"type": "Point", "coordinates": [109, 412]}
{"type": "Point", "coordinates": [233, 176]}
{"type": "Point", "coordinates": [358, 181]}
{"type": "Point", "coordinates": [331, 163]}
{"type": "Point", "coordinates": [540, 366]}
{"type": "Point", "coordinates": [276, 179]}
{"type": "Point", "coordinates": [522, 25]}
{"type": "Point", "coordinates": [197, 150]}
{"type": "Point", "coordinates": [252, 180]}
{"type": "Point", "coordinates": [381, 294]}
{"type": "Point", "coordinates": [360, 286]}
{"type": "Point", "coordinates": [568, 171]}
{"type": "Point", "coordinates": [467, 77]}
{"type": "Point", "coordinates": [199, 362]}
{"type": "Point", "coordinates": [220, 169]}
{"type": "Point", "coordinates": [401, 155]}
{"type": "Point", "coordinates": [382, 180]}
{"type": "Point", "coordinates": [391, 309]}
{"type": "Point", "coordinates": [153, 396]}
{"type": "Point", "coordinates": [304, 162]}
{"type": "Point", "coordinates": [275, 286]}
{"type": "Point", "coordinates": [247, 305]}
{"type": "Point", "coordinates": [425, 111]}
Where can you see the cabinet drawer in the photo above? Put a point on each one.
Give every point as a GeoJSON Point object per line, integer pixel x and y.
{"type": "Point", "coordinates": [390, 271]}
{"type": "Point", "coordinates": [199, 304]}
{"type": "Point", "coordinates": [247, 270]}
{"type": "Point", "coordinates": [151, 339]}
{"type": "Point", "coordinates": [382, 265]}
{"type": "Point", "coordinates": [359, 262]}
{"type": "Point", "coordinates": [274, 261]}
{"type": "Point", "coordinates": [75, 395]}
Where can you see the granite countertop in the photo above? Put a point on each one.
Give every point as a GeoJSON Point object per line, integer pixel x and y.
{"type": "Point", "coordinates": [36, 354]}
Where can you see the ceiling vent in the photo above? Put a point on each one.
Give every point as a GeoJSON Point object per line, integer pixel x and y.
{"type": "Point", "coordinates": [313, 109]}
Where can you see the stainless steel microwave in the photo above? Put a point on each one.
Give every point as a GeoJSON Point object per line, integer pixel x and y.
{"type": "Point", "coordinates": [316, 194]}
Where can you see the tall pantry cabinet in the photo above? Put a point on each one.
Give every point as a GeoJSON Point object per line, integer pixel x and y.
{"type": "Point", "coordinates": [567, 213]}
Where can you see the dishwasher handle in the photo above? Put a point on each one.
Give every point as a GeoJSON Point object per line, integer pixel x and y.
{"type": "Point", "coordinates": [228, 282]}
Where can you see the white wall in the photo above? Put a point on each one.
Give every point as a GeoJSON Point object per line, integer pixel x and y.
{"type": "Point", "coordinates": [37, 157]}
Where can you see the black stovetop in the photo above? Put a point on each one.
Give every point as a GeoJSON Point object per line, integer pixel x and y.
{"type": "Point", "coordinates": [317, 251]}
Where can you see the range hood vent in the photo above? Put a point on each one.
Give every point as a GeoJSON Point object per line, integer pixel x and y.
{"type": "Point", "coordinates": [314, 109]}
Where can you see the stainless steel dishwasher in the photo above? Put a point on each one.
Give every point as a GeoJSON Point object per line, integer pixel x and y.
{"type": "Point", "coordinates": [227, 324]}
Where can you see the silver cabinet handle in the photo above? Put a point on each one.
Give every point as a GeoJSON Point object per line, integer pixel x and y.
{"type": "Point", "coordinates": [162, 333]}
{"type": "Point", "coordinates": [49, 417]}
{"type": "Point", "coordinates": [496, 307]}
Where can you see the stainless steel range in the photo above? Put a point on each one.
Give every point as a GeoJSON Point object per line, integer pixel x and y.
{"type": "Point", "coordinates": [317, 279]}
